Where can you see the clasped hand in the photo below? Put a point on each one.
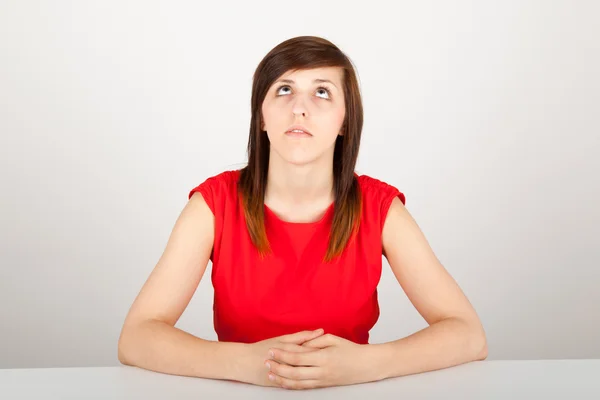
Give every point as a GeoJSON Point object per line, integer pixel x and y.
{"type": "Point", "coordinates": [321, 361]}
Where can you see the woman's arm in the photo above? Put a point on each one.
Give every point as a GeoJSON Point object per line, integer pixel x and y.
{"type": "Point", "coordinates": [443, 344]}
{"type": "Point", "coordinates": [455, 334]}
{"type": "Point", "coordinates": [158, 346]}
{"type": "Point", "coordinates": [148, 338]}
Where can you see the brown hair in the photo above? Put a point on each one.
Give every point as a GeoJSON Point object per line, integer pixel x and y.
{"type": "Point", "coordinates": [304, 52]}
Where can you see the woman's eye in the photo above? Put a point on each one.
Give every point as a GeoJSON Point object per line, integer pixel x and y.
{"type": "Point", "coordinates": [283, 87]}
{"type": "Point", "coordinates": [325, 91]}
{"type": "Point", "coordinates": [321, 89]}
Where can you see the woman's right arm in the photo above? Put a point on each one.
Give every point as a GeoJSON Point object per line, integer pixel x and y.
{"type": "Point", "coordinates": [149, 338]}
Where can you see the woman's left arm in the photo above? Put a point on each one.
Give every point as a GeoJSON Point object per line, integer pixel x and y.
{"type": "Point", "coordinates": [455, 334]}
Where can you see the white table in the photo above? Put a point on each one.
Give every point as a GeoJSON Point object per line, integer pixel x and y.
{"type": "Point", "coordinates": [543, 379]}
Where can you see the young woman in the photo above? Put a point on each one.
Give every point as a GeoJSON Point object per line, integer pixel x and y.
{"type": "Point", "coordinates": [296, 240]}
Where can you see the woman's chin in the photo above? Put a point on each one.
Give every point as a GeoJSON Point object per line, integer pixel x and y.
{"type": "Point", "coordinates": [300, 160]}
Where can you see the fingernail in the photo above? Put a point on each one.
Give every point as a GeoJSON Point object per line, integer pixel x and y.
{"type": "Point", "coordinates": [271, 377]}
{"type": "Point", "coordinates": [271, 354]}
{"type": "Point", "coordinates": [268, 366]}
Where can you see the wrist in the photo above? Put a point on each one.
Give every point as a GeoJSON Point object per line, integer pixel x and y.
{"type": "Point", "coordinates": [226, 360]}
{"type": "Point", "coordinates": [240, 356]}
{"type": "Point", "coordinates": [377, 361]}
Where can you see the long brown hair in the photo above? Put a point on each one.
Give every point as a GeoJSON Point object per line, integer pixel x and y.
{"type": "Point", "coordinates": [304, 52]}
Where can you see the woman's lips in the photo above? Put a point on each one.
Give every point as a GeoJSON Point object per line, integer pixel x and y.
{"type": "Point", "coordinates": [298, 134]}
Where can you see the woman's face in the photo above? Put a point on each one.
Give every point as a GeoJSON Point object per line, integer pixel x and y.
{"type": "Point", "coordinates": [312, 98]}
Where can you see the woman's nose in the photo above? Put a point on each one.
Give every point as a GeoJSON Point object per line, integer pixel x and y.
{"type": "Point", "coordinates": [299, 107]}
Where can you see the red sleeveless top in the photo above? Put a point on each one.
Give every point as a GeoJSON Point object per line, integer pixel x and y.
{"type": "Point", "coordinates": [291, 289]}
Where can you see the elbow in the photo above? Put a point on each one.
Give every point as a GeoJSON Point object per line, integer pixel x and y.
{"type": "Point", "coordinates": [483, 351]}
{"type": "Point", "coordinates": [123, 348]}
{"type": "Point", "coordinates": [480, 345]}
{"type": "Point", "coordinates": [130, 346]}
{"type": "Point", "coordinates": [121, 355]}
{"type": "Point", "coordinates": [476, 347]}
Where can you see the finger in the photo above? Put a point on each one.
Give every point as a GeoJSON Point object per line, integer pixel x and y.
{"type": "Point", "coordinates": [301, 337]}
{"type": "Point", "coordinates": [305, 359]}
{"type": "Point", "coordinates": [292, 347]}
{"type": "Point", "coordinates": [294, 385]}
{"type": "Point", "coordinates": [291, 372]}
{"type": "Point", "coordinates": [322, 341]}
{"type": "Point", "coordinates": [311, 346]}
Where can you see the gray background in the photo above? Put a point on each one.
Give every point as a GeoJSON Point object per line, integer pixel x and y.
{"type": "Point", "coordinates": [485, 114]}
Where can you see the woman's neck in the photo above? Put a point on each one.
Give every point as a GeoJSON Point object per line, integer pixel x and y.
{"type": "Point", "coordinates": [304, 186]}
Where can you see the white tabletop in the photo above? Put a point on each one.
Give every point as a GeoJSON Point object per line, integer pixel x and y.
{"type": "Point", "coordinates": [543, 379]}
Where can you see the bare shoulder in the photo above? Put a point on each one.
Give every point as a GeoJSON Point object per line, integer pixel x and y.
{"type": "Point", "coordinates": [398, 223]}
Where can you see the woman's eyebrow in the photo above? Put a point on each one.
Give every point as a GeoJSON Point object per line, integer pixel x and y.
{"type": "Point", "coordinates": [318, 80]}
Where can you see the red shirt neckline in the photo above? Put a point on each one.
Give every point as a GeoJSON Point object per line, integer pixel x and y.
{"type": "Point", "coordinates": [301, 224]}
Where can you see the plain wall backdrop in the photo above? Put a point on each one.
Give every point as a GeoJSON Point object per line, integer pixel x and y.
{"type": "Point", "coordinates": [484, 113]}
